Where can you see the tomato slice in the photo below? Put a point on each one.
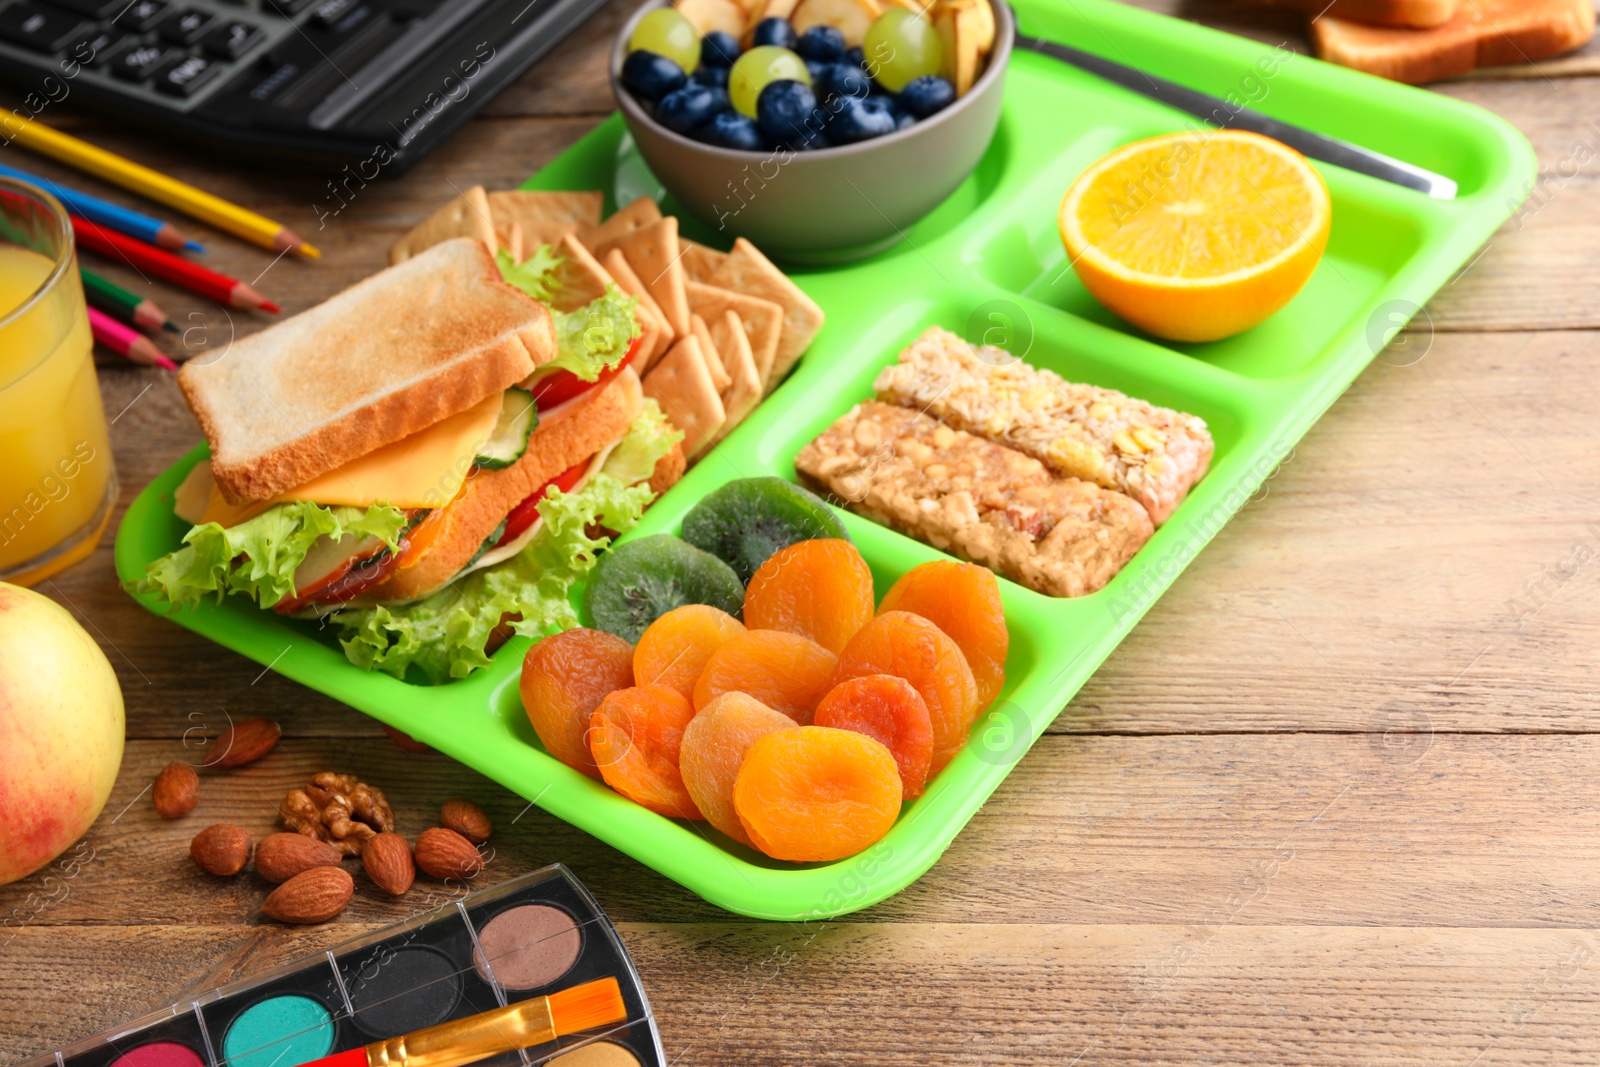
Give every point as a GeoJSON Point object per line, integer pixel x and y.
{"type": "Point", "coordinates": [563, 385]}
{"type": "Point", "coordinates": [526, 513]}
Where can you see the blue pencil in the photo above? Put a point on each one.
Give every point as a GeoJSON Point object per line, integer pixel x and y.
{"type": "Point", "coordinates": [111, 216]}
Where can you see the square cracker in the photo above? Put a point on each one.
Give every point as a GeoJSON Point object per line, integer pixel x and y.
{"type": "Point", "coordinates": [466, 215]}
{"type": "Point", "coordinates": [648, 311]}
{"type": "Point", "coordinates": [652, 252]}
{"type": "Point", "coordinates": [680, 383]}
{"type": "Point", "coordinates": [762, 320]}
{"type": "Point", "coordinates": [513, 245]}
{"type": "Point", "coordinates": [580, 278]}
{"type": "Point", "coordinates": [746, 270]}
{"type": "Point", "coordinates": [708, 348]}
{"type": "Point", "coordinates": [545, 217]}
{"type": "Point", "coordinates": [642, 212]}
{"type": "Point", "coordinates": [744, 392]}
{"type": "Point", "coordinates": [700, 261]}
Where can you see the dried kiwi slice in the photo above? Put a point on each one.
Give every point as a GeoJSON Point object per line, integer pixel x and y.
{"type": "Point", "coordinates": [636, 583]}
{"type": "Point", "coordinates": [749, 519]}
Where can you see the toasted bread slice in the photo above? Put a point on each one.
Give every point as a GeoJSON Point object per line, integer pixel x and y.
{"type": "Point", "coordinates": [1483, 33]}
{"type": "Point", "coordinates": [488, 496]}
{"type": "Point", "coordinates": [387, 357]}
{"type": "Point", "coordinates": [1417, 14]}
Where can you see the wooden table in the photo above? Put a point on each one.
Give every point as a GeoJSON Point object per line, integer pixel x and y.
{"type": "Point", "coordinates": [1333, 802]}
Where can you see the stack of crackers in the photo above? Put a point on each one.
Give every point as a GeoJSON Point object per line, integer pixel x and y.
{"type": "Point", "coordinates": [720, 330]}
{"type": "Point", "coordinates": [1420, 41]}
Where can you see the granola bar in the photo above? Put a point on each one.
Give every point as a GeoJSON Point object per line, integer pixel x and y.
{"type": "Point", "coordinates": [978, 500]}
{"type": "Point", "coordinates": [1152, 454]}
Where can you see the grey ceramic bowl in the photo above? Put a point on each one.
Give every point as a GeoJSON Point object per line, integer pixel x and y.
{"type": "Point", "coordinates": [832, 205]}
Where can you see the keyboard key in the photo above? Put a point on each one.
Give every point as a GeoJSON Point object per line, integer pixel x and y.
{"type": "Point", "coordinates": [40, 29]}
{"type": "Point", "coordinates": [184, 75]}
{"type": "Point", "coordinates": [95, 9]}
{"type": "Point", "coordinates": [289, 7]}
{"type": "Point", "coordinates": [331, 11]}
{"type": "Point", "coordinates": [141, 15]}
{"type": "Point", "coordinates": [188, 26]}
{"type": "Point", "coordinates": [137, 64]}
{"type": "Point", "coordinates": [278, 76]}
{"type": "Point", "coordinates": [99, 47]}
{"type": "Point", "coordinates": [231, 40]}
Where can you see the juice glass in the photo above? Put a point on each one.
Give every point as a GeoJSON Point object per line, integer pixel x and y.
{"type": "Point", "coordinates": [57, 481]}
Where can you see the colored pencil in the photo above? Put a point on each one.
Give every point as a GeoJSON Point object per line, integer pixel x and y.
{"type": "Point", "coordinates": [122, 305]}
{"type": "Point", "coordinates": [178, 271]}
{"type": "Point", "coordinates": [241, 222]}
{"type": "Point", "coordinates": [125, 342]}
{"type": "Point", "coordinates": [112, 216]}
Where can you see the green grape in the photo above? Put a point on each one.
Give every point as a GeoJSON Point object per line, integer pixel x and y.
{"type": "Point", "coordinates": [667, 33]}
{"type": "Point", "coordinates": [900, 47]}
{"type": "Point", "coordinates": [759, 67]}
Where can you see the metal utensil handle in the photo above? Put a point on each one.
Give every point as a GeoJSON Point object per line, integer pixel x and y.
{"type": "Point", "coordinates": [1222, 114]}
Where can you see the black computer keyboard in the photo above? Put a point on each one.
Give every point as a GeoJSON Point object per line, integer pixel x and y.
{"type": "Point", "coordinates": [374, 82]}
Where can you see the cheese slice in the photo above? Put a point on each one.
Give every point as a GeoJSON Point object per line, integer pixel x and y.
{"type": "Point", "coordinates": [424, 470]}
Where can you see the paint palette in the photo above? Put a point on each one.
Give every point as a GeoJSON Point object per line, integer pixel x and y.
{"type": "Point", "coordinates": [528, 937]}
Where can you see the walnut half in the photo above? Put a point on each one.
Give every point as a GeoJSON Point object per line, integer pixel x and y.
{"type": "Point", "coordinates": [338, 809]}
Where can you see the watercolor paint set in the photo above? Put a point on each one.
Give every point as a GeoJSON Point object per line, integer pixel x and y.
{"type": "Point", "coordinates": [531, 937]}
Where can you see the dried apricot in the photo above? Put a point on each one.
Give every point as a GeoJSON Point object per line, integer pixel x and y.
{"type": "Point", "coordinates": [963, 600]}
{"type": "Point", "coordinates": [564, 678]}
{"type": "Point", "coordinates": [910, 647]}
{"type": "Point", "coordinates": [786, 672]}
{"type": "Point", "coordinates": [888, 710]}
{"type": "Point", "coordinates": [816, 794]}
{"type": "Point", "coordinates": [673, 650]}
{"type": "Point", "coordinates": [820, 589]}
{"type": "Point", "coordinates": [635, 735]}
{"type": "Point", "coordinates": [714, 745]}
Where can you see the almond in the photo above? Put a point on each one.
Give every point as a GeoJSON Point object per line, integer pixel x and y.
{"type": "Point", "coordinates": [280, 857]}
{"type": "Point", "coordinates": [221, 849]}
{"type": "Point", "coordinates": [176, 791]}
{"type": "Point", "coordinates": [313, 896]}
{"type": "Point", "coordinates": [404, 740]}
{"type": "Point", "coordinates": [388, 861]}
{"type": "Point", "coordinates": [243, 742]}
{"type": "Point", "coordinates": [466, 819]}
{"type": "Point", "coordinates": [445, 854]}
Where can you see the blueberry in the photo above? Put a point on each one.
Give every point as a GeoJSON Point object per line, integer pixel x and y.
{"type": "Point", "coordinates": [732, 130]}
{"type": "Point", "coordinates": [718, 49]}
{"type": "Point", "coordinates": [906, 119]}
{"type": "Point", "coordinates": [811, 142]}
{"type": "Point", "coordinates": [693, 105]}
{"type": "Point", "coordinates": [786, 111]}
{"type": "Point", "coordinates": [859, 120]}
{"type": "Point", "coordinates": [855, 57]}
{"type": "Point", "coordinates": [715, 77]}
{"type": "Point", "coordinates": [841, 79]}
{"type": "Point", "coordinates": [821, 43]}
{"type": "Point", "coordinates": [774, 31]}
{"type": "Point", "coordinates": [815, 69]}
{"type": "Point", "coordinates": [927, 94]}
{"type": "Point", "coordinates": [650, 76]}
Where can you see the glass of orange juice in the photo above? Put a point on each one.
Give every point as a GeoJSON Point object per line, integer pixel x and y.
{"type": "Point", "coordinates": [57, 481]}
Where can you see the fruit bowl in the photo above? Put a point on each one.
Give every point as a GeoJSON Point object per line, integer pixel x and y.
{"type": "Point", "coordinates": [835, 204]}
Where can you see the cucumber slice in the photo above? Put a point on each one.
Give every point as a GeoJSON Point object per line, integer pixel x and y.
{"type": "Point", "coordinates": [509, 439]}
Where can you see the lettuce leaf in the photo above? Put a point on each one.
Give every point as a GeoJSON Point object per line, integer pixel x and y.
{"type": "Point", "coordinates": [258, 557]}
{"type": "Point", "coordinates": [649, 438]}
{"type": "Point", "coordinates": [444, 635]}
{"type": "Point", "coordinates": [589, 339]}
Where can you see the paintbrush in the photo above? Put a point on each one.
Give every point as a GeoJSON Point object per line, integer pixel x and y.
{"type": "Point", "coordinates": [462, 1041]}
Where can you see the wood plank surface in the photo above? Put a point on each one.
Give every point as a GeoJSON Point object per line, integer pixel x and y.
{"type": "Point", "coordinates": [1331, 803]}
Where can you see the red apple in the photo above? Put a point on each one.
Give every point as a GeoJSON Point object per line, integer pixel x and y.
{"type": "Point", "coordinates": [61, 729]}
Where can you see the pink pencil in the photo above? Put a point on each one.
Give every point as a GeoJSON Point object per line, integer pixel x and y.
{"type": "Point", "coordinates": [125, 342]}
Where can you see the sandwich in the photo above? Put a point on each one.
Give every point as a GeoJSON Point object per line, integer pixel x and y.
{"type": "Point", "coordinates": [427, 461]}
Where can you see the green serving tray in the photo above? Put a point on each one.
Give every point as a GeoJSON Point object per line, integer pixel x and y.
{"type": "Point", "coordinates": [988, 262]}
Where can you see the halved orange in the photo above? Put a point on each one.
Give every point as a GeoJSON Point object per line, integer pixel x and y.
{"type": "Point", "coordinates": [1196, 236]}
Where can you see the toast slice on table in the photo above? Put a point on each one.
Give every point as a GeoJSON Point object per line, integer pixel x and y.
{"type": "Point", "coordinates": [1483, 33]}
{"type": "Point", "coordinates": [1419, 14]}
{"type": "Point", "coordinates": [389, 356]}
